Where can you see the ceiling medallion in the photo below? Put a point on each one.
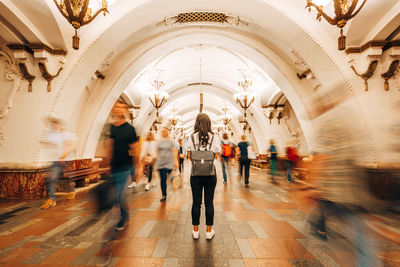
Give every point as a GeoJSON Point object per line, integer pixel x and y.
{"type": "Point", "coordinates": [345, 10]}
{"type": "Point", "coordinates": [79, 13]}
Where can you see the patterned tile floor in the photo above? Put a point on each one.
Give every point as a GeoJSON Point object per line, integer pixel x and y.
{"type": "Point", "coordinates": [264, 225]}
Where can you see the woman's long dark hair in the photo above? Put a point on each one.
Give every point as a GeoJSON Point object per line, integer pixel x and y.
{"type": "Point", "coordinates": [203, 127]}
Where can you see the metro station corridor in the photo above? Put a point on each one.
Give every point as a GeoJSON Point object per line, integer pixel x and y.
{"type": "Point", "coordinates": [98, 96]}
{"type": "Point", "coordinates": [263, 225]}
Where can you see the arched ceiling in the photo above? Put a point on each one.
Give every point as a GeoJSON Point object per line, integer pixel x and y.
{"type": "Point", "coordinates": [267, 36]}
{"type": "Point", "coordinates": [206, 64]}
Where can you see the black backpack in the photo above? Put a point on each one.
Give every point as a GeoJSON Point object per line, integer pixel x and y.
{"type": "Point", "coordinates": [202, 161]}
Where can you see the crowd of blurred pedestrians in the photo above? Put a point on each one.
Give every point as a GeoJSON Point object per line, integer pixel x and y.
{"type": "Point", "coordinates": [338, 183]}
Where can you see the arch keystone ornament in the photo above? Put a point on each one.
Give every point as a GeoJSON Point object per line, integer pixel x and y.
{"type": "Point", "coordinates": [344, 11]}
{"type": "Point", "coordinates": [368, 74]}
{"type": "Point", "coordinates": [390, 73]}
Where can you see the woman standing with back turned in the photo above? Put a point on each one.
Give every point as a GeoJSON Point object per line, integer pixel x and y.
{"type": "Point", "coordinates": [203, 140]}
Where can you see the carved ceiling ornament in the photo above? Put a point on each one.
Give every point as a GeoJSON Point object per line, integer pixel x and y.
{"type": "Point", "coordinates": [107, 62]}
{"type": "Point", "coordinates": [368, 73]}
{"type": "Point", "coordinates": [396, 79]}
{"type": "Point", "coordinates": [47, 76]}
{"type": "Point", "coordinates": [305, 69]}
{"type": "Point", "coordinates": [26, 75]}
{"type": "Point", "coordinates": [390, 73]}
{"type": "Point", "coordinates": [11, 74]}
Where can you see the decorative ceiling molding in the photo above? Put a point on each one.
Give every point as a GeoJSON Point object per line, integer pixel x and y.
{"type": "Point", "coordinates": [34, 48]}
{"type": "Point", "coordinates": [384, 45]}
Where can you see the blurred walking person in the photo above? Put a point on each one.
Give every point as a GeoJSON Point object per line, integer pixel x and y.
{"type": "Point", "coordinates": [244, 161]}
{"type": "Point", "coordinates": [226, 156]}
{"type": "Point", "coordinates": [203, 148]}
{"type": "Point", "coordinates": [167, 159]}
{"type": "Point", "coordinates": [340, 183]}
{"type": "Point", "coordinates": [273, 155]}
{"type": "Point", "coordinates": [124, 139]}
{"type": "Point", "coordinates": [59, 144]}
{"type": "Point", "coordinates": [291, 159]}
{"type": "Point", "coordinates": [147, 158]}
{"type": "Point", "coordinates": [181, 155]}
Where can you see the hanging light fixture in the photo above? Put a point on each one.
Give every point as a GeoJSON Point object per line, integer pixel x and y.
{"type": "Point", "coordinates": [174, 119]}
{"type": "Point", "coordinates": [226, 118]}
{"type": "Point", "coordinates": [79, 13]}
{"type": "Point", "coordinates": [245, 98]}
{"type": "Point", "coordinates": [156, 97]}
{"type": "Point", "coordinates": [217, 127]}
{"type": "Point", "coordinates": [345, 10]}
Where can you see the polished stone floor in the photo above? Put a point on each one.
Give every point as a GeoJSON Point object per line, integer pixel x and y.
{"type": "Point", "coordinates": [263, 225]}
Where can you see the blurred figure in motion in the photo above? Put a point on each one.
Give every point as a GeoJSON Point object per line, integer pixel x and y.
{"type": "Point", "coordinates": [181, 155]}
{"type": "Point", "coordinates": [59, 143]}
{"type": "Point", "coordinates": [273, 155]}
{"type": "Point", "coordinates": [123, 141]}
{"type": "Point", "coordinates": [226, 155]}
{"type": "Point", "coordinates": [341, 189]}
{"type": "Point", "coordinates": [244, 161]}
{"type": "Point", "coordinates": [291, 159]}
{"type": "Point", "coordinates": [147, 158]}
{"type": "Point", "coordinates": [167, 159]}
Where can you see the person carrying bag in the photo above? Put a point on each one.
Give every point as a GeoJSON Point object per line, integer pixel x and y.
{"type": "Point", "coordinates": [203, 148]}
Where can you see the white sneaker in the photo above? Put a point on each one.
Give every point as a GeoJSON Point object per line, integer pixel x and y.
{"type": "Point", "coordinates": [147, 188]}
{"type": "Point", "coordinates": [195, 234]}
{"type": "Point", "coordinates": [132, 185]}
{"type": "Point", "coordinates": [210, 235]}
{"type": "Point", "coordinates": [153, 184]}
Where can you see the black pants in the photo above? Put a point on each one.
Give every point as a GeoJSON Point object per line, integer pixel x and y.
{"type": "Point", "coordinates": [163, 176]}
{"type": "Point", "coordinates": [197, 184]}
{"type": "Point", "coordinates": [181, 165]}
{"type": "Point", "coordinates": [245, 162]}
{"type": "Point", "coordinates": [149, 172]}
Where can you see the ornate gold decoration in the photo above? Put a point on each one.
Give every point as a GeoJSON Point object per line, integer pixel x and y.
{"type": "Point", "coordinates": [174, 119]}
{"type": "Point", "coordinates": [47, 76]}
{"type": "Point", "coordinates": [26, 75]}
{"type": "Point", "coordinates": [368, 74]}
{"type": "Point", "coordinates": [390, 73]}
{"type": "Point", "coordinates": [246, 98]}
{"type": "Point", "coordinates": [78, 13]}
{"type": "Point", "coordinates": [201, 17]}
{"type": "Point", "coordinates": [156, 97]}
{"type": "Point", "coordinates": [226, 118]}
{"type": "Point", "coordinates": [344, 11]}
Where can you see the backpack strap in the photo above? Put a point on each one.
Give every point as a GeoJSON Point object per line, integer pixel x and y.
{"type": "Point", "coordinates": [212, 139]}
{"type": "Point", "coordinates": [194, 144]}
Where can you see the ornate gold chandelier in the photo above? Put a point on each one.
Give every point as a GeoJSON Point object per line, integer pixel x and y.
{"type": "Point", "coordinates": [79, 13]}
{"type": "Point", "coordinates": [156, 97]}
{"type": "Point", "coordinates": [345, 10]}
{"type": "Point", "coordinates": [226, 118]}
{"type": "Point", "coordinates": [174, 119]}
{"type": "Point", "coordinates": [245, 98]}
